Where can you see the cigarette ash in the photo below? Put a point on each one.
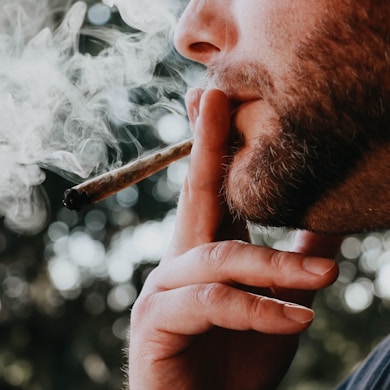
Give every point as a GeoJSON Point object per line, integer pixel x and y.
{"type": "Point", "coordinates": [60, 108]}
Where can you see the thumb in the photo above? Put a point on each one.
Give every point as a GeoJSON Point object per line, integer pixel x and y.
{"type": "Point", "coordinates": [313, 244]}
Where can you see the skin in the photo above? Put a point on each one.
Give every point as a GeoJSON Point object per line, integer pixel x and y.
{"type": "Point", "coordinates": [220, 312]}
{"type": "Point", "coordinates": [309, 84]}
{"type": "Point", "coordinates": [192, 326]}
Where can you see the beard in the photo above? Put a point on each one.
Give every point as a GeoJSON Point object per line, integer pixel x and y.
{"type": "Point", "coordinates": [331, 111]}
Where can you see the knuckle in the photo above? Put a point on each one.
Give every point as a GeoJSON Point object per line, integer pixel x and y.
{"type": "Point", "coordinates": [256, 308]}
{"type": "Point", "coordinates": [153, 277]}
{"type": "Point", "coordinates": [221, 253]}
{"type": "Point", "coordinates": [139, 310]}
{"type": "Point", "coordinates": [152, 281]}
{"type": "Point", "coordinates": [209, 295]}
{"type": "Point", "coordinates": [278, 260]}
{"type": "Point", "coordinates": [260, 307]}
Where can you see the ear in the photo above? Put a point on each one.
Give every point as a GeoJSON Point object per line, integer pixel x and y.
{"type": "Point", "coordinates": [361, 203]}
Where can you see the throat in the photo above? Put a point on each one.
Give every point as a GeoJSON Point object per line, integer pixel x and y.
{"type": "Point", "coordinates": [360, 203]}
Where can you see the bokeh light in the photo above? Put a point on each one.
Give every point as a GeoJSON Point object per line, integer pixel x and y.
{"type": "Point", "coordinates": [359, 295]}
{"type": "Point", "coordinates": [99, 14]}
{"type": "Point", "coordinates": [66, 294]}
{"type": "Point", "coordinates": [382, 281]}
{"type": "Point", "coordinates": [172, 128]}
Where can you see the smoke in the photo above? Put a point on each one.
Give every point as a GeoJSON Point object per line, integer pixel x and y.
{"type": "Point", "coordinates": [147, 15]}
{"type": "Point", "coordinates": [58, 105]}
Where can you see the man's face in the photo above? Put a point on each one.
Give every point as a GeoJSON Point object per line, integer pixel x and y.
{"type": "Point", "coordinates": [309, 85]}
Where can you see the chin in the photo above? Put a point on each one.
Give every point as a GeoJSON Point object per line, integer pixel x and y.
{"type": "Point", "coordinates": [358, 202]}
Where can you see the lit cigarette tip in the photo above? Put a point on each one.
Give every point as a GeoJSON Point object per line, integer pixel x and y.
{"type": "Point", "coordinates": [76, 200]}
{"type": "Point", "coordinates": [109, 183]}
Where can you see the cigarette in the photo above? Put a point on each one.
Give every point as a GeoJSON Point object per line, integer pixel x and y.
{"type": "Point", "coordinates": [109, 183]}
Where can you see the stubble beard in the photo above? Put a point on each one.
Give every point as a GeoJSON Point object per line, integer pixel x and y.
{"type": "Point", "coordinates": [321, 133]}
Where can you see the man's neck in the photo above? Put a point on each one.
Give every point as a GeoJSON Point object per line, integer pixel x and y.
{"type": "Point", "coordinates": [361, 203]}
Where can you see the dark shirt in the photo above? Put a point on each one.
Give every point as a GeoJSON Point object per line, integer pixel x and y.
{"type": "Point", "coordinates": [374, 373]}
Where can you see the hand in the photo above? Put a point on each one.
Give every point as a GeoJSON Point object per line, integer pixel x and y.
{"type": "Point", "coordinates": [195, 324]}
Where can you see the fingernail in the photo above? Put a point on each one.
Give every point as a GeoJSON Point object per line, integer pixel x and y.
{"type": "Point", "coordinates": [193, 113]}
{"type": "Point", "coordinates": [318, 266]}
{"type": "Point", "coordinates": [297, 313]}
{"type": "Point", "coordinates": [193, 97]}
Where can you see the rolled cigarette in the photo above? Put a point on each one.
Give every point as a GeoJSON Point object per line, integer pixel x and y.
{"type": "Point", "coordinates": [109, 183]}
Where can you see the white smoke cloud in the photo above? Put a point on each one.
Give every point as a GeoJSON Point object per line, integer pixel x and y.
{"type": "Point", "coordinates": [147, 15]}
{"type": "Point", "coordinates": [56, 103]}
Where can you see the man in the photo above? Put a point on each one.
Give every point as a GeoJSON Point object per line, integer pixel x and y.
{"type": "Point", "coordinates": [291, 130]}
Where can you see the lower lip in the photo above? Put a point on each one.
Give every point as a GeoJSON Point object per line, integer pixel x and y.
{"type": "Point", "coordinates": [246, 113]}
{"type": "Point", "coordinates": [254, 118]}
{"type": "Point", "coordinates": [247, 105]}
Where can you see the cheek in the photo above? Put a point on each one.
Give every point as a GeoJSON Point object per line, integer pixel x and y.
{"type": "Point", "coordinates": [271, 31]}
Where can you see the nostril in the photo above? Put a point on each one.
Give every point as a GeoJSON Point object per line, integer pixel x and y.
{"type": "Point", "coordinates": [203, 47]}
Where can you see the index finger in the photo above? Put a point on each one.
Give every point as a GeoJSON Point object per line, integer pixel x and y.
{"type": "Point", "coordinates": [201, 208]}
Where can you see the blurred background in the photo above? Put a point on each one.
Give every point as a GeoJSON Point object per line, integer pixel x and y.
{"type": "Point", "coordinates": [67, 284]}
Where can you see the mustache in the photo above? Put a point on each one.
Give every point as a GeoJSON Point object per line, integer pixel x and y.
{"type": "Point", "coordinates": [240, 80]}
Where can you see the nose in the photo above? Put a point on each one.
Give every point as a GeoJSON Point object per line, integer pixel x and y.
{"type": "Point", "coordinates": [205, 30]}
